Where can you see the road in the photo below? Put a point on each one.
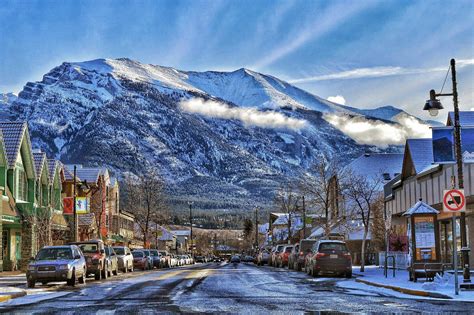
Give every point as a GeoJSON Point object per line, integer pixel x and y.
{"type": "Point", "coordinates": [221, 288]}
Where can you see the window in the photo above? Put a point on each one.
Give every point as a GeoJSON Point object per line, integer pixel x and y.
{"type": "Point", "coordinates": [22, 185]}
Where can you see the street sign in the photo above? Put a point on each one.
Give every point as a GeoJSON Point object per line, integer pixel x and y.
{"type": "Point", "coordinates": [454, 200]}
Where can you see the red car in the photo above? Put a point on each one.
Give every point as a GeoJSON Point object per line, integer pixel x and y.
{"type": "Point", "coordinates": [282, 258]}
{"type": "Point", "coordinates": [140, 260]}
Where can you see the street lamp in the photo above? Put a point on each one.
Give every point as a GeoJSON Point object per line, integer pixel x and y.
{"type": "Point", "coordinates": [433, 105]}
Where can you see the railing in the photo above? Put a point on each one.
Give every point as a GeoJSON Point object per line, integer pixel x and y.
{"type": "Point", "coordinates": [399, 260]}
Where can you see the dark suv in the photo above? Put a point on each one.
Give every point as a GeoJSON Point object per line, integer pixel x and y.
{"type": "Point", "coordinates": [94, 251]}
{"type": "Point", "coordinates": [330, 257]}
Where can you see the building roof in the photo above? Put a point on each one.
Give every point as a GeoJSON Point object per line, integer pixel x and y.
{"type": "Point", "coordinates": [89, 174]}
{"type": "Point", "coordinates": [52, 167]}
{"type": "Point", "coordinates": [13, 133]}
{"type": "Point", "coordinates": [420, 208]}
{"type": "Point", "coordinates": [377, 164]}
{"type": "Point", "coordinates": [421, 153]}
{"type": "Point", "coordinates": [39, 159]}
{"type": "Point", "coordinates": [466, 118]}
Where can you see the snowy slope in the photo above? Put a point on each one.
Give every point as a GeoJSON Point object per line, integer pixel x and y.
{"type": "Point", "coordinates": [126, 115]}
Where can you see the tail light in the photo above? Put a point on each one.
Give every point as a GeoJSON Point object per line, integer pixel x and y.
{"type": "Point", "coordinates": [320, 255]}
{"type": "Point", "coordinates": [96, 256]}
{"type": "Point", "coordinates": [301, 253]}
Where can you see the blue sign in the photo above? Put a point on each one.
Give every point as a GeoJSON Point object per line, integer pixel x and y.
{"type": "Point", "coordinates": [443, 144]}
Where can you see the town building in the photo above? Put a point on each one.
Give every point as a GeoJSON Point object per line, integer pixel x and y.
{"type": "Point", "coordinates": [423, 179]}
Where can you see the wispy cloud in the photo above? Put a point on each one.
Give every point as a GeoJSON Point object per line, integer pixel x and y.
{"type": "Point", "coordinates": [378, 133]}
{"type": "Point", "coordinates": [376, 72]}
{"type": "Point", "coordinates": [248, 116]}
{"type": "Point", "coordinates": [320, 25]}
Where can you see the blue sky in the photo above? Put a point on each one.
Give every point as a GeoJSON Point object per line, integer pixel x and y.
{"type": "Point", "coordinates": [372, 53]}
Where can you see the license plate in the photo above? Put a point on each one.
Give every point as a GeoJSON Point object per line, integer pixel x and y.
{"type": "Point", "coordinates": [333, 256]}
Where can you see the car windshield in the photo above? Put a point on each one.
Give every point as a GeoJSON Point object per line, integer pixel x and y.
{"type": "Point", "coordinates": [279, 248]}
{"type": "Point", "coordinates": [89, 248]}
{"type": "Point", "coordinates": [54, 254]}
{"type": "Point", "coordinates": [138, 254]}
{"type": "Point", "coordinates": [332, 246]}
{"type": "Point", "coordinates": [119, 250]}
{"type": "Point", "coordinates": [147, 253]}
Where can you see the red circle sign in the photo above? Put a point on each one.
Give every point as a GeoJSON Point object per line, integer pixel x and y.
{"type": "Point", "coordinates": [454, 200]}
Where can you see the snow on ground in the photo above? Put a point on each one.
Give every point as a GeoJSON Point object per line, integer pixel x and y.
{"type": "Point", "coordinates": [442, 285]}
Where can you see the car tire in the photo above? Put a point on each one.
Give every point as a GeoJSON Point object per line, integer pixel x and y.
{"type": "Point", "coordinates": [315, 273]}
{"type": "Point", "coordinates": [132, 268]}
{"type": "Point", "coordinates": [116, 271]}
{"type": "Point", "coordinates": [82, 280]}
{"type": "Point", "coordinates": [125, 268]}
{"type": "Point", "coordinates": [31, 284]}
{"type": "Point", "coordinates": [44, 282]}
{"type": "Point", "coordinates": [98, 275]}
{"type": "Point", "coordinates": [105, 272]}
{"type": "Point", "coordinates": [72, 282]}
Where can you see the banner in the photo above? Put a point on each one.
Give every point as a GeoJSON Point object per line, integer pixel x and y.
{"type": "Point", "coordinates": [68, 205]}
{"type": "Point", "coordinates": [443, 144]}
{"type": "Point", "coordinates": [82, 205]}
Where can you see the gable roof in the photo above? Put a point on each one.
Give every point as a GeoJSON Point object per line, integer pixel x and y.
{"type": "Point", "coordinates": [40, 160]}
{"type": "Point", "coordinates": [421, 153]}
{"type": "Point", "coordinates": [89, 174]}
{"type": "Point", "coordinates": [376, 164]}
{"type": "Point", "coordinates": [466, 118]}
{"type": "Point", "coordinates": [420, 208]}
{"type": "Point", "coordinates": [13, 134]}
{"type": "Point", "coordinates": [53, 165]}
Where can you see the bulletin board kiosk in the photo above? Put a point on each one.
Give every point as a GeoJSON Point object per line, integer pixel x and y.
{"type": "Point", "coordinates": [425, 260]}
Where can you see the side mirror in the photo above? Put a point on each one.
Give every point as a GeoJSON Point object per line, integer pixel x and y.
{"type": "Point", "coordinates": [77, 257]}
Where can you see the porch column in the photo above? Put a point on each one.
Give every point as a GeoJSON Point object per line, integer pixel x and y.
{"type": "Point", "coordinates": [28, 241]}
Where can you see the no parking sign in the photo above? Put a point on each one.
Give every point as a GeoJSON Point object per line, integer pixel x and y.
{"type": "Point", "coordinates": [454, 200]}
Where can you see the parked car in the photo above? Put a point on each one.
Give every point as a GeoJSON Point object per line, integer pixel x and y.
{"type": "Point", "coordinates": [140, 260]}
{"type": "Point", "coordinates": [57, 263]}
{"type": "Point", "coordinates": [235, 259]}
{"type": "Point", "coordinates": [293, 256]}
{"type": "Point", "coordinates": [156, 258]}
{"type": "Point", "coordinates": [165, 259]}
{"type": "Point", "coordinates": [199, 259]}
{"type": "Point", "coordinates": [282, 258]}
{"type": "Point", "coordinates": [304, 249]}
{"type": "Point", "coordinates": [148, 256]}
{"type": "Point", "coordinates": [330, 257]}
{"type": "Point", "coordinates": [173, 261]}
{"type": "Point", "coordinates": [248, 258]}
{"type": "Point", "coordinates": [94, 251]}
{"type": "Point", "coordinates": [111, 260]}
{"type": "Point", "coordinates": [263, 257]}
{"type": "Point", "coordinates": [275, 252]}
{"type": "Point", "coordinates": [124, 258]}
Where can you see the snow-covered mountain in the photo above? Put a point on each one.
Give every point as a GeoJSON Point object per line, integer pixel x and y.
{"type": "Point", "coordinates": [127, 115]}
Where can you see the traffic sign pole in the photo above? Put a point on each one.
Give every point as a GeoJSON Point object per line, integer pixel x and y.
{"type": "Point", "coordinates": [455, 256]}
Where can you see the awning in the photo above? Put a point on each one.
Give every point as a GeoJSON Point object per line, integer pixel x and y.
{"type": "Point", "coordinates": [58, 222]}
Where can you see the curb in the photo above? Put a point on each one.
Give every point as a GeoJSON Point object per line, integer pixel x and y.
{"type": "Point", "coordinates": [14, 295]}
{"type": "Point", "coordinates": [406, 291]}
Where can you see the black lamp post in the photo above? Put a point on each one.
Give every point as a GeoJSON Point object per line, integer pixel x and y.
{"type": "Point", "coordinates": [433, 105]}
{"type": "Point", "coordinates": [84, 188]}
{"type": "Point", "coordinates": [190, 203]}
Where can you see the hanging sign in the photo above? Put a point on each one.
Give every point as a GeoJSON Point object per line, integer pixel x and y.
{"type": "Point", "coordinates": [454, 200]}
{"type": "Point", "coordinates": [82, 205]}
{"type": "Point", "coordinates": [68, 205]}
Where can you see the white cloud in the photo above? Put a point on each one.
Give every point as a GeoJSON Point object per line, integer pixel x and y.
{"type": "Point", "coordinates": [376, 72]}
{"type": "Point", "coordinates": [378, 133]}
{"type": "Point", "coordinates": [248, 116]}
{"type": "Point", "coordinates": [338, 99]}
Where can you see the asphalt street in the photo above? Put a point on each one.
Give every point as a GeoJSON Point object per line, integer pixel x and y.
{"type": "Point", "coordinates": [222, 288]}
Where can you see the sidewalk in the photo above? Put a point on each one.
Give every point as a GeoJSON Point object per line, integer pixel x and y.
{"type": "Point", "coordinates": [12, 285]}
{"type": "Point", "coordinates": [440, 288]}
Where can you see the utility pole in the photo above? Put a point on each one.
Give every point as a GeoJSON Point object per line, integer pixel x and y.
{"type": "Point", "coordinates": [256, 230]}
{"type": "Point", "coordinates": [74, 205]}
{"type": "Point", "coordinates": [304, 219]}
{"type": "Point", "coordinates": [190, 203]}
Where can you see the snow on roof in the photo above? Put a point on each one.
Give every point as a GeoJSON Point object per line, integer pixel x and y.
{"type": "Point", "coordinates": [466, 118]}
{"type": "Point", "coordinates": [12, 135]}
{"type": "Point", "coordinates": [421, 152]}
{"type": "Point", "coordinates": [39, 158]}
{"type": "Point", "coordinates": [52, 165]}
{"type": "Point", "coordinates": [376, 164]}
{"type": "Point", "coordinates": [181, 232]}
{"type": "Point", "coordinates": [420, 208]}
